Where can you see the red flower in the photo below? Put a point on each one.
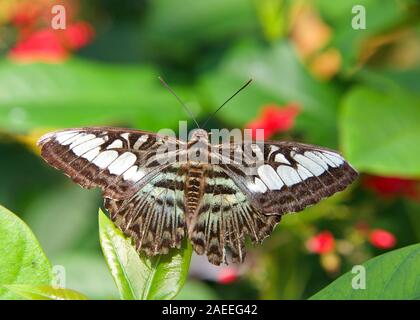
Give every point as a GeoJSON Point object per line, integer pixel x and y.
{"type": "Point", "coordinates": [227, 275]}
{"type": "Point", "coordinates": [274, 119]}
{"type": "Point", "coordinates": [382, 239]}
{"type": "Point", "coordinates": [43, 45]}
{"type": "Point", "coordinates": [321, 243]}
{"type": "Point", "coordinates": [48, 45]}
{"type": "Point", "coordinates": [393, 186]}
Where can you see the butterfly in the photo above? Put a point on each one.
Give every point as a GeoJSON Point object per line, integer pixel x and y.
{"type": "Point", "coordinates": [159, 190]}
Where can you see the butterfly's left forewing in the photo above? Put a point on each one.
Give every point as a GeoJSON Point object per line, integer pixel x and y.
{"type": "Point", "coordinates": [118, 161]}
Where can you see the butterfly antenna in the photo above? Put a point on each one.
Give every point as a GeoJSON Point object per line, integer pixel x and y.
{"type": "Point", "coordinates": [179, 100]}
{"type": "Point", "coordinates": [237, 91]}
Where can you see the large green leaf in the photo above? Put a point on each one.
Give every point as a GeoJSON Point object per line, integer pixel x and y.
{"type": "Point", "coordinates": [81, 92]}
{"type": "Point", "coordinates": [139, 277]}
{"type": "Point", "coordinates": [380, 131]}
{"type": "Point", "coordinates": [393, 275]}
{"type": "Point", "coordinates": [45, 292]}
{"type": "Point", "coordinates": [279, 78]}
{"type": "Point", "coordinates": [22, 259]}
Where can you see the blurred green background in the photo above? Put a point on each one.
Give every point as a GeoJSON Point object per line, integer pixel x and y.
{"type": "Point", "coordinates": [358, 91]}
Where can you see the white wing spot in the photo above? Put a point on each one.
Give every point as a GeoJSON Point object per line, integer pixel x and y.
{"type": "Point", "coordinates": [125, 135]}
{"type": "Point", "coordinates": [88, 145]}
{"type": "Point", "coordinates": [316, 159]}
{"type": "Point", "coordinates": [258, 186]}
{"type": "Point", "coordinates": [281, 158]}
{"type": "Point", "coordinates": [334, 157]}
{"type": "Point", "coordinates": [89, 156]}
{"type": "Point", "coordinates": [140, 141]}
{"type": "Point", "coordinates": [82, 139]}
{"type": "Point", "coordinates": [70, 140]}
{"type": "Point", "coordinates": [327, 160]}
{"type": "Point", "coordinates": [288, 175]}
{"type": "Point", "coordinates": [124, 161]}
{"type": "Point", "coordinates": [269, 176]}
{"type": "Point", "coordinates": [133, 174]}
{"type": "Point", "coordinates": [64, 136]}
{"type": "Point", "coordinates": [115, 144]}
{"type": "Point", "coordinates": [303, 172]}
{"type": "Point", "coordinates": [105, 158]}
{"type": "Point", "coordinates": [309, 164]}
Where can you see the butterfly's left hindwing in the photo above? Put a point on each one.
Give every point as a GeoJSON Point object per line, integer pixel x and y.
{"type": "Point", "coordinates": [154, 216]}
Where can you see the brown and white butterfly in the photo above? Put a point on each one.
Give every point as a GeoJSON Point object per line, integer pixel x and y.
{"type": "Point", "coordinates": [216, 204]}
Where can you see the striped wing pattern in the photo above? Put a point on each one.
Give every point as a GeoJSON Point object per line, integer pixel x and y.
{"type": "Point", "coordinates": [289, 176]}
{"type": "Point", "coordinates": [225, 217]}
{"type": "Point", "coordinates": [216, 204]}
{"type": "Point", "coordinates": [116, 160]}
{"type": "Point", "coordinates": [153, 217]}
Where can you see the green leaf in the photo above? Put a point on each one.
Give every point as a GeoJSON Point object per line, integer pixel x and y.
{"type": "Point", "coordinates": [393, 275]}
{"type": "Point", "coordinates": [79, 93]}
{"type": "Point", "coordinates": [380, 131]}
{"type": "Point", "coordinates": [139, 277]}
{"type": "Point", "coordinates": [22, 259]}
{"type": "Point", "coordinates": [45, 293]}
{"type": "Point", "coordinates": [279, 78]}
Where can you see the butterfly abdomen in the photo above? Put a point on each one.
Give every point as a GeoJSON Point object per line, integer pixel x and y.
{"type": "Point", "coordinates": [194, 188]}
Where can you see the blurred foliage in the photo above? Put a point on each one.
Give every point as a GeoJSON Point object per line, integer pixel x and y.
{"type": "Point", "coordinates": [358, 91]}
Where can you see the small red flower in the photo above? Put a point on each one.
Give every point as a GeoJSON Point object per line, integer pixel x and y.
{"type": "Point", "coordinates": [393, 186]}
{"type": "Point", "coordinates": [274, 119]}
{"type": "Point", "coordinates": [227, 275]}
{"type": "Point", "coordinates": [44, 45]}
{"type": "Point", "coordinates": [48, 45]}
{"type": "Point", "coordinates": [382, 239]}
{"type": "Point", "coordinates": [321, 243]}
